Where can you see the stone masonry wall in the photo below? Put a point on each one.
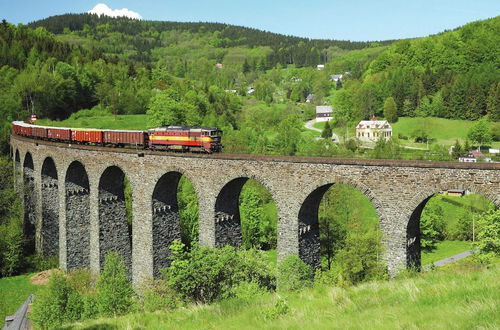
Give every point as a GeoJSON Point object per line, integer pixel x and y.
{"type": "Point", "coordinates": [115, 234]}
{"type": "Point", "coordinates": [77, 229]}
{"type": "Point", "coordinates": [166, 220]}
{"type": "Point", "coordinates": [395, 188]}
{"type": "Point", "coordinates": [50, 210]}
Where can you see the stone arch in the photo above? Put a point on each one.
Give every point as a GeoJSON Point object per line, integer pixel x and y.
{"type": "Point", "coordinates": [77, 192]}
{"type": "Point", "coordinates": [227, 211]}
{"type": "Point", "coordinates": [413, 234]}
{"type": "Point", "coordinates": [166, 218]}
{"type": "Point", "coordinates": [50, 209]}
{"type": "Point", "coordinates": [308, 222]}
{"type": "Point", "coordinates": [29, 194]}
{"type": "Point", "coordinates": [115, 232]}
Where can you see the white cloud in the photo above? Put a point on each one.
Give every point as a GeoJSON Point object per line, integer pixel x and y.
{"type": "Point", "coordinates": [102, 9]}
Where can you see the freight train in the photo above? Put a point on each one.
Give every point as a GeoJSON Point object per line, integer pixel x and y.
{"type": "Point", "coordinates": [180, 138]}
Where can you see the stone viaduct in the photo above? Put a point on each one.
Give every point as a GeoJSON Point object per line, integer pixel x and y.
{"type": "Point", "coordinates": [75, 205]}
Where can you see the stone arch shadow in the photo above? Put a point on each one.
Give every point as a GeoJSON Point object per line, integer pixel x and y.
{"type": "Point", "coordinates": [77, 194]}
{"type": "Point", "coordinates": [227, 211]}
{"type": "Point", "coordinates": [417, 205]}
{"type": "Point", "coordinates": [115, 231]}
{"type": "Point", "coordinates": [29, 196]}
{"type": "Point", "coordinates": [50, 208]}
{"type": "Point", "coordinates": [308, 219]}
{"type": "Point", "coordinates": [166, 224]}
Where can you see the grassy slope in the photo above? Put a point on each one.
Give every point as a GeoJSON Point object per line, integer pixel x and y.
{"type": "Point", "coordinates": [445, 131]}
{"type": "Point", "coordinates": [13, 292]}
{"type": "Point", "coordinates": [457, 298]}
{"type": "Point", "coordinates": [445, 249]}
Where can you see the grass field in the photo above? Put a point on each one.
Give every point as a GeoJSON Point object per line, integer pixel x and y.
{"type": "Point", "coordinates": [13, 292]}
{"type": "Point", "coordinates": [458, 298]}
{"type": "Point", "coordinates": [445, 131]}
{"type": "Point", "coordinates": [445, 249]}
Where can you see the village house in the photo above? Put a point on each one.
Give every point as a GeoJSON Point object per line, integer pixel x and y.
{"type": "Point", "coordinates": [473, 157]}
{"type": "Point", "coordinates": [324, 113]}
{"type": "Point", "coordinates": [320, 67]}
{"type": "Point", "coordinates": [373, 130]}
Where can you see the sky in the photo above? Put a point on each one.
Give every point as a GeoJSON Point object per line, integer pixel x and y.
{"type": "Point", "coordinates": [359, 20]}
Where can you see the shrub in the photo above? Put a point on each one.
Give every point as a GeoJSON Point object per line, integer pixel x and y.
{"type": "Point", "coordinates": [205, 274]}
{"type": "Point", "coordinates": [247, 290]}
{"type": "Point", "coordinates": [49, 308]}
{"type": "Point", "coordinates": [90, 306]}
{"type": "Point", "coordinates": [279, 309]}
{"type": "Point", "coordinates": [114, 292]}
{"type": "Point", "coordinates": [294, 274]}
{"type": "Point", "coordinates": [488, 236]}
{"type": "Point", "coordinates": [202, 274]}
{"type": "Point", "coordinates": [253, 266]}
{"type": "Point", "coordinates": [157, 295]}
{"type": "Point", "coordinates": [360, 259]}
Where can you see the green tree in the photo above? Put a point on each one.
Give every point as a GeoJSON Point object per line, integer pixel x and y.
{"type": "Point", "coordinates": [480, 133]}
{"type": "Point", "coordinates": [252, 214]}
{"type": "Point", "coordinates": [327, 131]}
{"type": "Point", "coordinates": [165, 109]}
{"type": "Point", "coordinates": [488, 235]}
{"type": "Point", "coordinates": [457, 150]}
{"type": "Point", "coordinates": [390, 110]}
{"type": "Point", "coordinates": [114, 292]}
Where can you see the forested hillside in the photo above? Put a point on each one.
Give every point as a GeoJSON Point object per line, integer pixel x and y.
{"type": "Point", "coordinates": [453, 75]}
{"type": "Point", "coordinates": [258, 86]}
{"type": "Point", "coordinates": [146, 36]}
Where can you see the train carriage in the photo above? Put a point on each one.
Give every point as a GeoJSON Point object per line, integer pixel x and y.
{"type": "Point", "coordinates": [39, 132]}
{"type": "Point", "coordinates": [124, 137]}
{"type": "Point", "coordinates": [59, 134]}
{"type": "Point", "coordinates": [81, 135]}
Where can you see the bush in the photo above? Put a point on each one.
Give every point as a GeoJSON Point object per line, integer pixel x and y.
{"type": "Point", "coordinates": [49, 308]}
{"type": "Point", "coordinates": [360, 259]}
{"type": "Point", "coordinates": [206, 274]}
{"type": "Point", "coordinates": [157, 295]}
{"type": "Point", "coordinates": [294, 274]}
{"type": "Point", "coordinates": [279, 309]}
{"type": "Point", "coordinates": [488, 236]}
{"type": "Point", "coordinates": [114, 292]}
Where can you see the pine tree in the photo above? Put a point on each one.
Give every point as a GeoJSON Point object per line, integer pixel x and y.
{"type": "Point", "coordinates": [327, 131]}
{"type": "Point", "coordinates": [457, 150]}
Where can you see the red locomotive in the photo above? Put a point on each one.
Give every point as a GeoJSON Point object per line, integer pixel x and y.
{"type": "Point", "coordinates": [181, 138]}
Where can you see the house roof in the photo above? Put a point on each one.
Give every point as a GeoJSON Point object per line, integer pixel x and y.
{"type": "Point", "coordinates": [374, 124]}
{"type": "Point", "coordinates": [324, 109]}
{"type": "Point", "coordinates": [476, 154]}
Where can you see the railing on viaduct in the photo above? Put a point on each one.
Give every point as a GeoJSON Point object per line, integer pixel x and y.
{"type": "Point", "coordinates": [75, 205]}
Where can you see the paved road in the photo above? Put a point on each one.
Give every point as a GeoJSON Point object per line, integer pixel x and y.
{"type": "Point", "coordinates": [451, 259]}
{"type": "Point", "coordinates": [309, 125]}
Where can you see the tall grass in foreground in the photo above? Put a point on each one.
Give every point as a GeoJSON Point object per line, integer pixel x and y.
{"type": "Point", "coordinates": [459, 298]}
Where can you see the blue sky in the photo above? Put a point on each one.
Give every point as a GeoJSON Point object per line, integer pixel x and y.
{"type": "Point", "coordinates": [328, 19]}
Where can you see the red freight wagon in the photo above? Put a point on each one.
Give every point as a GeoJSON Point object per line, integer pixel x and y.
{"type": "Point", "coordinates": [39, 132]}
{"type": "Point", "coordinates": [16, 128]}
{"type": "Point", "coordinates": [121, 137]}
{"type": "Point", "coordinates": [86, 135]}
{"type": "Point", "coordinates": [55, 133]}
{"type": "Point", "coordinates": [21, 128]}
